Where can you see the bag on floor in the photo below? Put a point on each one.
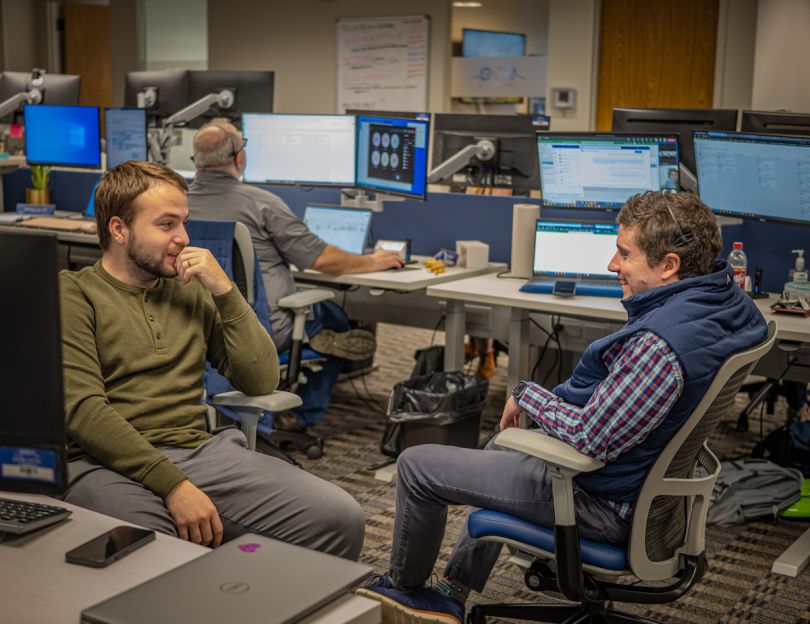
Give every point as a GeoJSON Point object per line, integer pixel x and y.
{"type": "Point", "coordinates": [787, 446]}
{"type": "Point", "coordinates": [752, 489]}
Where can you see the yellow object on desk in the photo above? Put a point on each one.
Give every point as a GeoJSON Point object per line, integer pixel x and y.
{"type": "Point", "coordinates": [435, 266]}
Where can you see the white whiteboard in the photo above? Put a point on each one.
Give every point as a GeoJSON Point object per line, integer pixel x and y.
{"type": "Point", "coordinates": [382, 63]}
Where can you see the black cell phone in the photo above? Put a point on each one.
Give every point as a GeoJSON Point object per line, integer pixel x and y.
{"type": "Point", "coordinates": [564, 288]}
{"type": "Point", "coordinates": [101, 551]}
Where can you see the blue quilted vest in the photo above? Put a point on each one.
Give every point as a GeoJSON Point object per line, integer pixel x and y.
{"type": "Point", "coordinates": [704, 320]}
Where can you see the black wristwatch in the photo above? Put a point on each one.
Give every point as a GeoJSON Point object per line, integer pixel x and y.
{"type": "Point", "coordinates": [520, 388]}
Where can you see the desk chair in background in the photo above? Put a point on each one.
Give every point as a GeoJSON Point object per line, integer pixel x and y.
{"type": "Point", "coordinates": [668, 528]}
{"type": "Point", "coordinates": [231, 245]}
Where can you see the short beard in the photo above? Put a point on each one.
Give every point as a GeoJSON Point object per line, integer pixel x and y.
{"type": "Point", "coordinates": [149, 267]}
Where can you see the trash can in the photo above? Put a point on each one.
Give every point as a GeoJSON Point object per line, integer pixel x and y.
{"type": "Point", "coordinates": [441, 408]}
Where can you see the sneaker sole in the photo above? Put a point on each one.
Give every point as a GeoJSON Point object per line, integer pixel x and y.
{"type": "Point", "coordinates": [354, 345]}
{"type": "Point", "coordinates": [394, 612]}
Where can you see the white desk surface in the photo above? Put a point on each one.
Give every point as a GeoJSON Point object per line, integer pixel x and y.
{"type": "Point", "coordinates": [415, 277]}
{"type": "Point", "coordinates": [37, 585]}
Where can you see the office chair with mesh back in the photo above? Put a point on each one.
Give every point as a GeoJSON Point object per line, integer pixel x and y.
{"type": "Point", "coordinates": [231, 245]}
{"type": "Point", "coordinates": [666, 551]}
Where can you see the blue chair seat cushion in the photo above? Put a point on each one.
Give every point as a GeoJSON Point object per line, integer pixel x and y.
{"type": "Point", "coordinates": [487, 523]}
{"type": "Point", "coordinates": [307, 355]}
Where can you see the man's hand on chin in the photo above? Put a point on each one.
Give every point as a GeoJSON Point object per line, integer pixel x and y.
{"type": "Point", "coordinates": [194, 514]}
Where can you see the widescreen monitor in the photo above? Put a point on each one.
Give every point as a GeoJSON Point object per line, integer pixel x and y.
{"type": "Point", "coordinates": [168, 89]}
{"type": "Point", "coordinates": [310, 150]}
{"type": "Point", "coordinates": [32, 419]}
{"type": "Point", "coordinates": [779, 122]}
{"type": "Point", "coordinates": [57, 89]}
{"type": "Point", "coordinates": [492, 43]}
{"type": "Point", "coordinates": [357, 112]}
{"type": "Point", "coordinates": [345, 228]}
{"type": "Point", "coordinates": [680, 120]}
{"type": "Point", "coordinates": [66, 136]}
{"type": "Point", "coordinates": [514, 163]}
{"type": "Point", "coordinates": [252, 90]}
{"type": "Point", "coordinates": [125, 130]}
{"type": "Point", "coordinates": [755, 176]}
{"type": "Point", "coordinates": [603, 170]}
{"type": "Point", "coordinates": [581, 249]}
{"type": "Point", "coordinates": [392, 155]}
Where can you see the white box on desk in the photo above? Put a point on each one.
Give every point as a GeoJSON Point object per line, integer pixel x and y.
{"type": "Point", "coordinates": [472, 254]}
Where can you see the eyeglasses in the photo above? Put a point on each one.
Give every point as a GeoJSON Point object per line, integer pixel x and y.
{"type": "Point", "coordinates": [241, 147]}
{"type": "Point", "coordinates": [683, 239]}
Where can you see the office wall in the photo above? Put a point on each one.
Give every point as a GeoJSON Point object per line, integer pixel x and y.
{"type": "Point", "coordinates": [573, 38]}
{"type": "Point", "coordinates": [24, 35]}
{"type": "Point", "coordinates": [781, 67]}
{"type": "Point", "coordinates": [297, 40]}
{"type": "Point", "coordinates": [175, 34]}
{"type": "Point", "coordinates": [734, 65]}
{"type": "Point", "coordinates": [124, 45]}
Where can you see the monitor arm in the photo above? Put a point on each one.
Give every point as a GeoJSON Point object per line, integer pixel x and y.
{"type": "Point", "coordinates": [483, 150]}
{"type": "Point", "coordinates": [34, 96]}
{"type": "Point", "coordinates": [224, 99]}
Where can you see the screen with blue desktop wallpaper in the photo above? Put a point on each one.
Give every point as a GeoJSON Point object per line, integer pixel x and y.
{"type": "Point", "coordinates": [492, 43]}
{"type": "Point", "coordinates": [312, 150]}
{"type": "Point", "coordinates": [596, 170]}
{"type": "Point", "coordinates": [346, 228]}
{"type": "Point", "coordinates": [126, 135]}
{"type": "Point", "coordinates": [62, 135]}
{"type": "Point", "coordinates": [759, 176]}
{"type": "Point", "coordinates": [392, 155]}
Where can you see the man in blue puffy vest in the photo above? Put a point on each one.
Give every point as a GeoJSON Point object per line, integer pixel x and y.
{"type": "Point", "coordinates": [626, 398]}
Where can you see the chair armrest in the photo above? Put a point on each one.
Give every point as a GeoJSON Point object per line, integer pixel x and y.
{"type": "Point", "coordinates": [305, 298]}
{"type": "Point", "coordinates": [277, 401]}
{"type": "Point", "coordinates": [551, 450]}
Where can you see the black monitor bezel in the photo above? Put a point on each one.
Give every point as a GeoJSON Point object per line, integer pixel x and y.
{"type": "Point", "coordinates": [204, 82]}
{"type": "Point", "coordinates": [299, 183]}
{"type": "Point", "coordinates": [96, 167]}
{"type": "Point", "coordinates": [176, 79]}
{"type": "Point", "coordinates": [386, 191]}
{"type": "Point", "coordinates": [145, 129]}
{"type": "Point", "coordinates": [748, 116]}
{"type": "Point", "coordinates": [620, 135]}
{"type": "Point", "coordinates": [749, 216]}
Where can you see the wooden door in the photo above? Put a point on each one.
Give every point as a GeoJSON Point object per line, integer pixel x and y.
{"type": "Point", "coordinates": [87, 51]}
{"type": "Point", "coordinates": [656, 54]}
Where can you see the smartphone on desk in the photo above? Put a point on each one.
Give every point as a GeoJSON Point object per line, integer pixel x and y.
{"type": "Point", "coordinates": [101, 551]}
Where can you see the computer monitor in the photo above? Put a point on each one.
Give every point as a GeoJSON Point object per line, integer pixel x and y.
{"type": "Point", "coordinates": [492, 43]}
{"type": "Point", "coordinates": [311, 150]}
{"type": "Point", "coordinates": [67, 136]}
{"type": "Point", "coordinates": [392, 155]}
{"type": "Point", "coordinates": [580, 249]}
{"type": "Point", "coordinates": [357, 112]}
{"type": "Point", "coordinates": [32, 419]}
{"type": "Point", "coordinates": [346, 228]}
{"type": "Point", "coordinates": [754, 176]}
{"type": "Point", "coordinates": [161, 92]}
{"type": "Point", "coordinates": [513, 163]}
{"type": "Point", "coordinates": [126, 135]}
{"type": "Point", "coordinates": [775, 122]}
{"type": "Point", "coordinates": [680, 120]}
{"type": "Point", "coordinates": [252, 90]}
{"type": "Point", "coordinates": [602, 170]}
{"type": "Point", "coordinates": [58, 89]}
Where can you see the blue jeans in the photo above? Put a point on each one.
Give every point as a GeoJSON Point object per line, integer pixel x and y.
{"type": "Point", "coordinates": [432, 477]}
{"type": "Point", "coordinates": [317, 392]}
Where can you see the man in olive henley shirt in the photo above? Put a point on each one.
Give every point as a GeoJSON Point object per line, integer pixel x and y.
{"type": "Point", "coordinates": [137, 329]}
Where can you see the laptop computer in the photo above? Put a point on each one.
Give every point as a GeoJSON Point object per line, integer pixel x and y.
{"type": "Point", "coordinates": [346, 228]}
{"type": "Point", "coordinates": [249, 579]}
{"type": "Point", "coordinates": [572, 257]}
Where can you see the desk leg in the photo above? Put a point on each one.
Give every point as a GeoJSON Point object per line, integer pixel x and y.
{"type": "Point", "coordinates": [518, 348]}
{"type": "Point", "coordinates": [455, 327]}
{"type": "Point", "coordinates": [792, 561]}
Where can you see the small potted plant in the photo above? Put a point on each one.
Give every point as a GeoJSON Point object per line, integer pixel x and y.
{"type": "Point", "coordinates": [40, 193]}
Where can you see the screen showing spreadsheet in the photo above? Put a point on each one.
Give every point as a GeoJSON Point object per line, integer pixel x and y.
{"type": "Point", "coordinates": [346, 228]}
{"type": "Point", "coordinates": [599, 170]}
{"type": "Point", "coordinates": [126, 135]}
{"type": "Point", "coordinates": [755, 176]}
{"type": "Point", "coordinates": [574, 249]}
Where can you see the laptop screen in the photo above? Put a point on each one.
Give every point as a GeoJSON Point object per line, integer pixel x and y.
{"type": "Point", "coordinates": [346, 228]}
{"type": "Point", "coordinates": [574, 249]}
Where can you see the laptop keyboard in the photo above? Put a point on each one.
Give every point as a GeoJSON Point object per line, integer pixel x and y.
{"type": "Point", "coordinates": [23, 516]}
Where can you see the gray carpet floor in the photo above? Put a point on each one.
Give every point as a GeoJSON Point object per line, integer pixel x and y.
{"type": "Point", "coordinates": [739, 586]}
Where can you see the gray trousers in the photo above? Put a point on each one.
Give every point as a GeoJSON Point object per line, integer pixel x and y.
{"type": "Point", "coordinates": [251, 491]}
{"type": "Point", "coordinates": [431, 477]}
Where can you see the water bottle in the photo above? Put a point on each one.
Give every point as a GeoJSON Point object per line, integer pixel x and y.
{"type": "Point", "coordinates": [739, 264]}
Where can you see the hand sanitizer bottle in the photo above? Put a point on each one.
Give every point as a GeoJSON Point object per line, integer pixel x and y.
{"type": "Point", "coordinates": [798, 273]}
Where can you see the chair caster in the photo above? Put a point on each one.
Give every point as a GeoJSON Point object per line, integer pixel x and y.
{"type": "Point", "coordinates": [315, 451]}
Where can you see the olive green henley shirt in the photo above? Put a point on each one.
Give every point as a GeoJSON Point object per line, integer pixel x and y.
{"type": "Point", "coordinates": [134, 360]}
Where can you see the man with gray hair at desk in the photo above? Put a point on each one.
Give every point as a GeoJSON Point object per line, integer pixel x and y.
{"type": "Point", "coordinates": [626, 398]}
{"type": "Point", "coordinates": [281, 239]}
{"type": "Point", "coordinates": [137, 329]}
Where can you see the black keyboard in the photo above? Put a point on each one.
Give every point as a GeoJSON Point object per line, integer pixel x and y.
{"type": "Point", "coordinates": [21, 516]}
